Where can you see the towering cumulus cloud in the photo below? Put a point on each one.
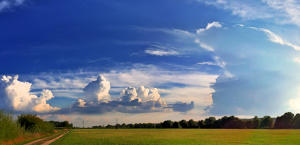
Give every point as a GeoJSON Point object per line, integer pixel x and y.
{"type": "Point", "coordinates": [131, 100]}
{"type": "Point", "coordinates": [98, 89]}
{"type": "Point", "coordinates": [129, 94]}
{"type": "Point", "coordinates": [143, 96]}
{"type": "Point", "coordinates": [16, 95]}
{"type": "Point", "coordinates": [150, 95]}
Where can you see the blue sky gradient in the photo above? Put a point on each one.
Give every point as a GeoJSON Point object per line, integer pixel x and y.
{"type": "Point", "coordinates": [228, 57]}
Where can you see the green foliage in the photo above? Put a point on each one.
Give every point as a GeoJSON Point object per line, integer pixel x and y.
{"type": "Point", "coordinates": [210, 122]}
{"type": "Point", "coordinates": [9, 129]}
{"type": "Point", "coordinates": [183, 123]}
{"type": "Point", "coordinates": [256, 122]}
{"type": "Point", "coordinates": [192, 124]}
{"type": "Point", "coordinates": [230, 122]}
{"type": "Point", "coordinates": [32, 123]}
{"type": "Point", "coordinates": [64, 124]}
{"type": "Point", "coordinates": [167, 124]}
{"type": "Point", "coordinates": [284, 121]}
{"type": "Point", "coordinates": [176, 125]}
{"type": "Point", "coordinates": [266, 122]}
{"type": "Point", "coordinates": [296, 121]}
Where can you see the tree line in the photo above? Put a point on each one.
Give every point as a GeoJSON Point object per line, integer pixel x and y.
{"type": "Point", "coordinates": [286, 121]}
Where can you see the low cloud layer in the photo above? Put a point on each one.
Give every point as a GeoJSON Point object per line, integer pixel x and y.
{"type": "Point", "coordinates": [131, 100]}
{"type": "Point", "coordinates": [15, 95]}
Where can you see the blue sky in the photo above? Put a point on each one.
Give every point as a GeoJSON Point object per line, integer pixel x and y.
{"type": "Point", "coordinates": [204, 57]}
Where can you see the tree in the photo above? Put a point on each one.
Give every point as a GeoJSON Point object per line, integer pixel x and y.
{"type": "Point", "coordinates": [201, 124]}
{"type": "Point", "coordinates": [232, 122]}
{"type": "Point", "coordinates": [256, 122]}
{"type": "Point", "coordinates": [266, 122]}
{"type": "Point", "coordinates": [210, 122]}
{"type": "Point", "coordinates": [34, 124]}
{"type": "Point", "coordinates": [285, 121]}
{"type": "Point", "coordinates": [176, 125]}
{"type": "Point", "coordinates": [296, 121]}
{"type": "Point", "coordinates": [192, 124]}
{"type": "Point", "coordinates": [167, 124]}
{"type": "Point", "coordinates": [183, 123]}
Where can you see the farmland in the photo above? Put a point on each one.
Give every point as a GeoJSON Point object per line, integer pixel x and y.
{"type": "Point", "coordinates": [179, 136]}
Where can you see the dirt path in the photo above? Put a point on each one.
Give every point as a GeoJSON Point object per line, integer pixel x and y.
{"type": "Point", "coordinates": [46, 141]}
{"type": "Point", "coordinates": [54, 139]}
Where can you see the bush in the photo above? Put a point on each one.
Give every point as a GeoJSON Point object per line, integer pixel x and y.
{"type": "Point", "coordinates": [34, 124]}
{"type": "Point", "coordinates": [9, 129]}
{"type": "Point", "coordinates": [64, 124]}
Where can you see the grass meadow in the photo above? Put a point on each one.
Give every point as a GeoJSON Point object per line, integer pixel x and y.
{"type": "Point", "coordinates": [180, 137]}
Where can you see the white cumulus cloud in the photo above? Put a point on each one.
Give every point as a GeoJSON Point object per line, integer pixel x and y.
{"type": "Point", "coordinates": [81, 103]}
{"type": "Point", "coordinates": [98, 89]}
{"type": "Point", "coordinates": [41, 102]}
{"type": "Point", "coordinates": [147, 94]}
{"type": "Point", "coordinates": [16, 95]}
{"type": "Point", "coordinates": [294, 104]}
{"type": "Point", "coordinates": [129, 94]}
{"type": "Point", "coordinates": [142, 94]}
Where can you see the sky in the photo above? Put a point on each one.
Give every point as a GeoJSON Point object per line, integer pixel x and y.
{"type": "Point", "coordinates": [116, 61]}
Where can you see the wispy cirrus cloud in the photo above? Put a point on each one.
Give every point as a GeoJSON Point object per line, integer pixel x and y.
{"type": "Point", "coordinates": [244, 9]}
{"type": "Point", "coordinates": [6, 4]}
{"type": "Point", "coordinates": [290, 9]}
{"type": "Point", "coordinates": [204, 45]}
{"type": "Point", "coordinates": [161, 52]}
{"type": "Point", "coordinates": [276, 38]}
{"type": "Point", "coordinates": [217, 62]}
{"type": "Point", "coordinates": [182, 34]}
{"type": "Point", "coordinates": [209, 26]}
{"type": "Point", "coordinates": [281, 11]}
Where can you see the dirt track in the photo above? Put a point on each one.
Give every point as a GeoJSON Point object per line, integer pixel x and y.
{"type": "Point", "coordinates": [46, 140]}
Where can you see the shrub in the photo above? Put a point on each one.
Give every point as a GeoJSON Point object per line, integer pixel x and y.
{"type": "Point", "coordinates": [34, 124]}
{"type": "Point", "coordinates": [9, 129]}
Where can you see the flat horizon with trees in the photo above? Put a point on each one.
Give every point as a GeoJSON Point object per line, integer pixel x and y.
{"type": "Point", "coordinates": [70, 68]}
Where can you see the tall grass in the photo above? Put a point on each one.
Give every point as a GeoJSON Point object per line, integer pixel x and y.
{"type": "Point", "coordinates": [26, 127]}
{"type": "Point", "coordinates": [9, 129]}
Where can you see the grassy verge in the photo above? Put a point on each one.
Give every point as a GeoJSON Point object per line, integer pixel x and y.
{"type": "Point", "coordinates": [26, 128]}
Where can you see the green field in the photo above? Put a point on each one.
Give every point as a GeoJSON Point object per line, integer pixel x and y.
{"type": "Point", "coordinates": [180, 137]}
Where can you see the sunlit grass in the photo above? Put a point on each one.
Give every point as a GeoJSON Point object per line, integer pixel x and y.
{"type": "Point", "coordinates": [180, 136]}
